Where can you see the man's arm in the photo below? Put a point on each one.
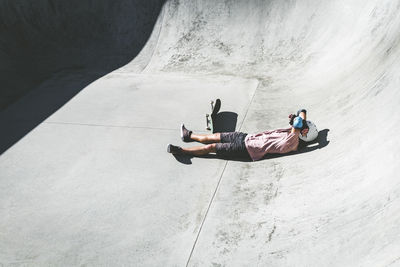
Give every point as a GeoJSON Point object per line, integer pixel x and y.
{"type": "Point", "coordinates": [302, 113]}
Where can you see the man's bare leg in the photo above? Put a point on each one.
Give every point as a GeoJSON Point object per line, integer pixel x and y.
{"type": "Point", "coordinates": [206, 138]}
{"type": "Point", "coordinates": [200, 150]}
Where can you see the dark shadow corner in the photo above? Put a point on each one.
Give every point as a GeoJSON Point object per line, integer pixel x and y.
{"type": "Point", "coordinates": [43, 67]}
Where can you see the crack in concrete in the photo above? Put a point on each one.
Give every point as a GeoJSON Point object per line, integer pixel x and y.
{"type": "Point", "coordinates": [219, 182]}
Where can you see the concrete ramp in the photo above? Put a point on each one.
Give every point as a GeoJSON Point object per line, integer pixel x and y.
{"type": "Point", "coordinates": [84, 174]}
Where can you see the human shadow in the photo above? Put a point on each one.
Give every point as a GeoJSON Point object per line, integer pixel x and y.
{"type": "Point", "coordinates": [57, 48]}
{"type": "Point", "coordinates": [304, 147]}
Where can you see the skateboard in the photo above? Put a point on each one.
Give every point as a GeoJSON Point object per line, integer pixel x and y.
{"type": "Point", "coordinates": [211, 118]}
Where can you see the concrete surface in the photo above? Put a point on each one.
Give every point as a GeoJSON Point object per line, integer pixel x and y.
{"type": "Point", "coordinates": [84, 176]}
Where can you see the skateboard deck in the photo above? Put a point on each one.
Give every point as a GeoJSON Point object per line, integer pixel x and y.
{"type": "Point", "coordinates": [211, 118]}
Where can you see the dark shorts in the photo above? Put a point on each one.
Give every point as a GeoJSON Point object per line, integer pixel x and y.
{"type": "Point", "coordinates": [232, 145]}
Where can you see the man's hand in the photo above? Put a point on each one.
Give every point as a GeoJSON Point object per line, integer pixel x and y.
{"type": "Point", "coordinates": [304, 132]}
{"type": "Point", "coordinates": [291, 118]}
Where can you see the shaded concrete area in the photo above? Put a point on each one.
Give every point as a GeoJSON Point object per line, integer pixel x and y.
{"type": "Point", "coordinates": [88, 182]}
{"type": "Point", "coordinates": [65, 46]}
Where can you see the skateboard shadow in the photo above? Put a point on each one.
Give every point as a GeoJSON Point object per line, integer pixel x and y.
{"type": "Point", "coordinates": [304, 147]}
{"type": "Point", "coordinates": [225, 121]}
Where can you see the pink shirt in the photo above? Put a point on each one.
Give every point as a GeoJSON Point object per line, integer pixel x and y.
{"type": "Point", "coordinates": [275, 141]}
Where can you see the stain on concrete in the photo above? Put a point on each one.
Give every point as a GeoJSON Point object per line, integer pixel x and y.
{"type": "Point", "coordinates": [271, 233]}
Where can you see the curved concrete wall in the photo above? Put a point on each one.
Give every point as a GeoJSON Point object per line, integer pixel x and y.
{"type": "Point", "coordinates": [42, 38]}
{"type": "Point", "coordinates": [340, 59]}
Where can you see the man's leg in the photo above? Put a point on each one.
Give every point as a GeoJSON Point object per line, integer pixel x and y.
{"type": "Point", "coordinates": [199, 150]}
{"type": "Point", "coordinates": [206, 138]}
{"type": "Point", "coordinates": [188, 136]}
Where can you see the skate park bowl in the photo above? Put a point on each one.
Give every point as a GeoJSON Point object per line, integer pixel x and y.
{"type": "Point", "coordinates": [93, 91]}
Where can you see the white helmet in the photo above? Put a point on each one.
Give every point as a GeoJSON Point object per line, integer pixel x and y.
{"type": "Point", "coordinates": [312, 133]}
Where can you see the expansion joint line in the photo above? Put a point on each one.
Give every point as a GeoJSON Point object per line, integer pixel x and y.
{"type": "Point", "coordinates": [205, 216]}
{"type": "Point", "coordinates": [116, 126]}
{"type": "Point", "coordinates": [219, 182]}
